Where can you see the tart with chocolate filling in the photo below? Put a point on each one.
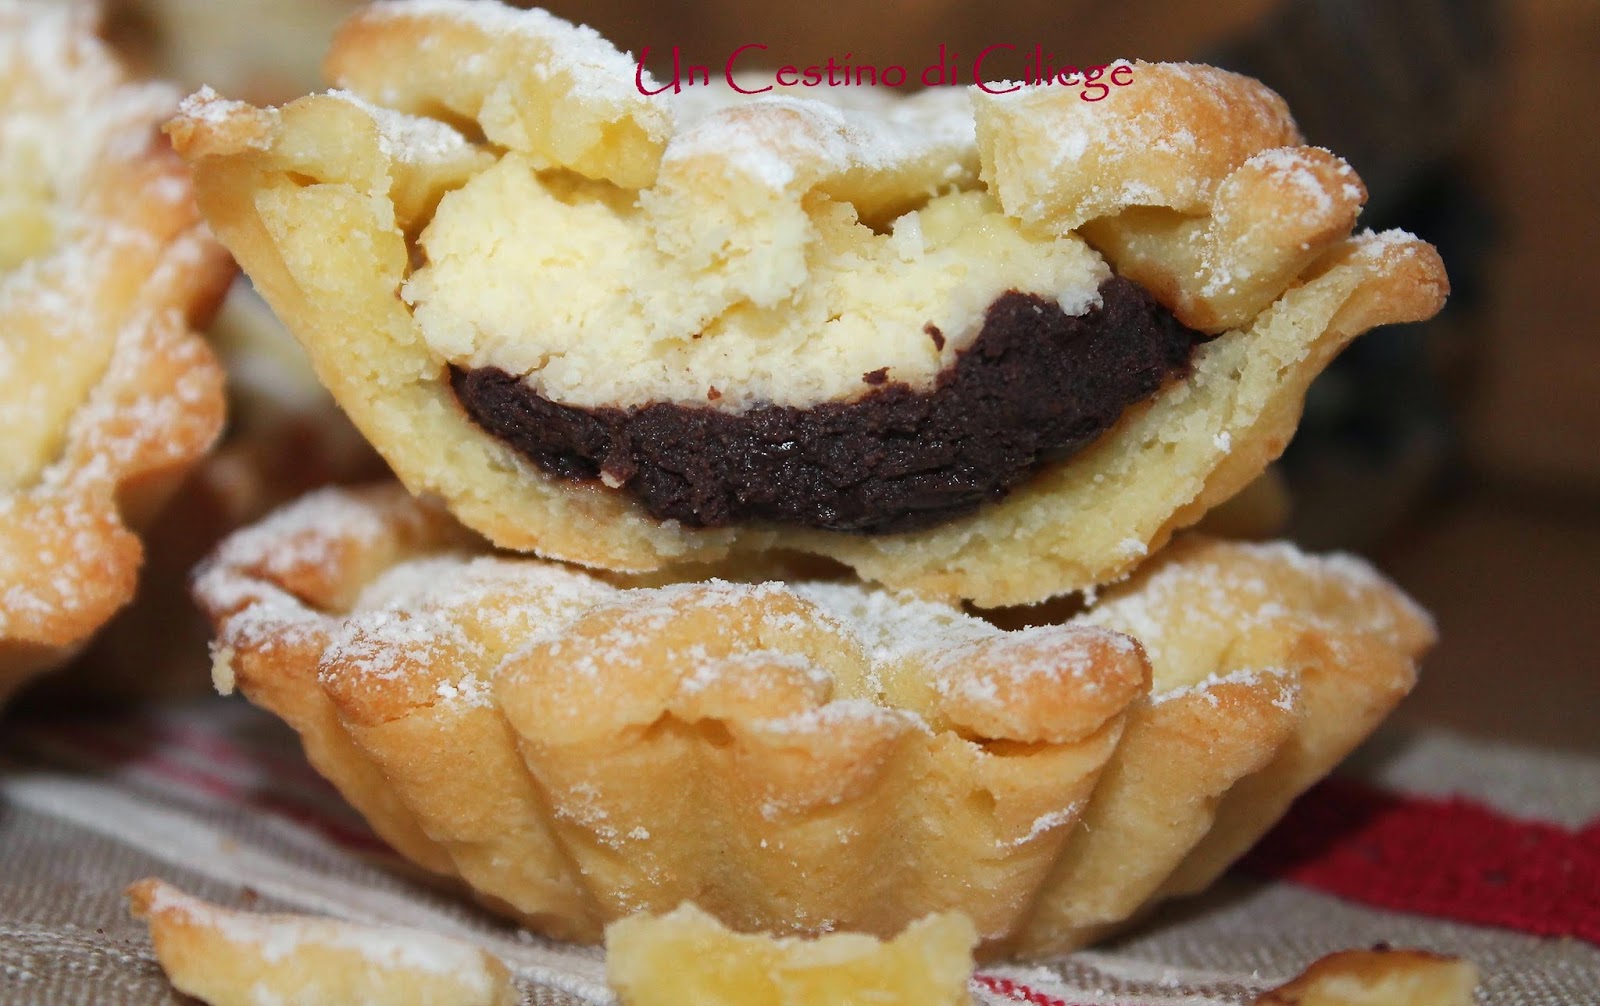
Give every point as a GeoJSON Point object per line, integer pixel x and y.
{"type": "Point", "coordinates": [107, 396]}
{"type": "Point", "coordinates": [804, 756]}
{"type": "Point", "coordinates": [984, 346]}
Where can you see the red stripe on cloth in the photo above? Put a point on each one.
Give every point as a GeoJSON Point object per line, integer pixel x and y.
{"type": "Point", "coordinates": [118, 752]}
{"type": "Point", "coordinates": [224, 748]}
{"type": "Point", "coordinates": [1453, 859]}
{"type": "Point", "coordinates": [1016, 991]}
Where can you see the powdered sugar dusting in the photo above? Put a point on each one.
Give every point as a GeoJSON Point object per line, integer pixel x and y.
{"type": "Point", "coordinates": [1068, 659]}
{"type": "Point", "coordinates": [446, 622]}
{"type": "Point", "coordinates": [451, 620]}
{"type": "Point", "coordinates": [594, 68]}
{"type": "Point", "coordinates": [241, 577]}
{"type": "Point", "coordinates": [1295, 168]}
{"type": "Point", "coordinates": [206, 105]}
{"type": "Point", "coordinates": [67, 517]}
{"type": "Point", "coordinates": [444, 611]}
{"type": "Point", "coordinates": [70, 125]}
{"type": "Point", "coordinates": [889, 627]}
{"type": "Point", "coordinates": [409, 138]}
{"type": "Point", "coordinates": [1374, 245]}
{"type": "Point", "coordinates": [810, 141]}
{"type": "Point", "coordinates": [310, 533]}
{"type": "Point", "coordinates": [1048, 822]}
{"type": "Point", "coordinates": [1181, 611]}
{"type": "Point", "coordinates": [822, 718]}
{"type": "Point", "coordinates": [1250, 677]}
{"type": "Point", "coordinates": [1097, 158]}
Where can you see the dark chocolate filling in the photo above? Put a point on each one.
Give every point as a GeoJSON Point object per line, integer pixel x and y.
{"type": "Point", "coordinates": [1035, 386]}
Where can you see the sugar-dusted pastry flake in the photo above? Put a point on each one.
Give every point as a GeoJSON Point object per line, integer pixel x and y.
{"type": "Point", "coordinates": [1379, 977]}
{"type": "Point", "coordinates": [229, 957]}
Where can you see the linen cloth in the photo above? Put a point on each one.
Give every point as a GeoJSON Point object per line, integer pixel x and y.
{"type": "Point", "coordinates": [1427, 840]}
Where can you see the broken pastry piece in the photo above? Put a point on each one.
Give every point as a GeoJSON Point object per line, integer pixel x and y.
{"type": "Point", "coordinates": [107, 397]}
{"type": "Point", "coordinates": [687, 956]}
{"type": "Point", "coordinates": [225, 957]}
{"type": "Point", "coordinates": [1379, 977]}
{"type": "Point", "coordinates": [800, 757]}
{"type": "Point", "coordinates": [983, 347]}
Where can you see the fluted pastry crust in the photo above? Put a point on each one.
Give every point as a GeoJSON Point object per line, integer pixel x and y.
{"type": "Point", "coordinates": [807, 756]}
{"type": "Point", "coordinates": [708, 213]}
{"type": "Point", "coordinates": [106, 394]}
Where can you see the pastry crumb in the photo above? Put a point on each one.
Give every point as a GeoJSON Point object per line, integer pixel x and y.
{"type": "Point", "coordinates": [687, 956]}
{"type": "Point", "coordinates": [226, 957]}
{"type": "Point", "coordinates": [1379, 977]}
{"type": "Point", "coordinates": [222, 669]}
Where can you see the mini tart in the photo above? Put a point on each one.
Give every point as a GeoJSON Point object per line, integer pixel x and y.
{"type": "Point", "coordinates": [285, 437]}
{"type": "Point", "coordinates": [106, 394]}
{"type": "Point", "coordinates": [634, 331]}
{"type": "Point", "coordinates": [804, 757]}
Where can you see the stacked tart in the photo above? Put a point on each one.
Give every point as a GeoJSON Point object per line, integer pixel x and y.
{"type": "Point", "coordinates": [743, 440]}
{"type": "Point", "coordinates": [107, 397]}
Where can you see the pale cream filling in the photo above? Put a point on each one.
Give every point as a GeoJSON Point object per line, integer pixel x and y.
{"type": "Point", "coordinates": [567, 282]}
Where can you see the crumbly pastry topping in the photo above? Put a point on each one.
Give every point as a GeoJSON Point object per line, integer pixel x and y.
{"type": "Point", "coordinates": [777, 247]}
{"type": "Point", "coordinates": [687, 956]}
{"type": "Point", "coordinates": [787, 322]}
{"type": "Point", "coordinates": [106, 396]}
{"type": "Point", "coordinates": [803, 756]}
{"type": "Point", "coordinates": [227, 956]}
{"type": "Point", "coordinates": [614, 249]}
